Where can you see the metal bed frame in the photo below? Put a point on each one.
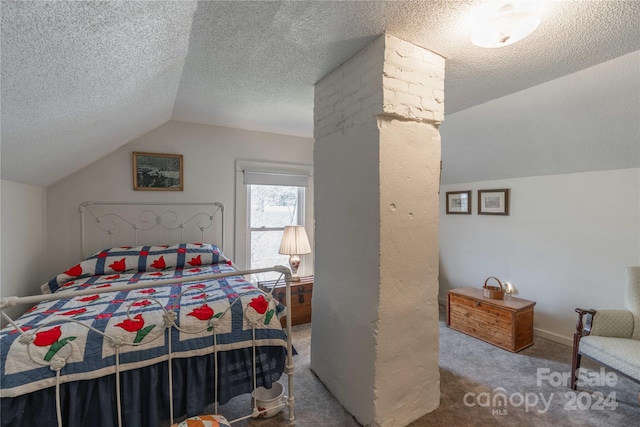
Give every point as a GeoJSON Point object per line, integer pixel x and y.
{"type": "Point", "coordinates": [150, 220]}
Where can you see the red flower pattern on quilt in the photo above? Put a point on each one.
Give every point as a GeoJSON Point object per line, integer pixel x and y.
{"type": "Point", "coordinates": [148, 291]}
{"type": "Point", "coordinates": [89, 299]}
{"type": "Point", "coordinates": [114, 277]}
{"type": "Point", "coordinates": [201, 296]}
{"type": "Point", "coordinates": [106, 285]}
{"type": "Point", "coordinates": [142, 303]}
{"type": "Point", "coordinates": [104, 316]}
{"type": "Point", "coordinates": [74, 271]}
{"type": "Point", "coordinates": [159, 263]}
{"type": "Point", "coordinates": [182, 251]}
{"type": "Point", "coordinates": [157, 273]}
{"type": "Point", "coordinates": [118, 265]}
{"type": "Point", "coordinates": [51, 338]}
{"type": "Point", "coordinates": [136, 325]}
{"type": "Point", "coordinates": [202, 313]}
{"type": "Point", "coordinates": [259, 304]}
{"type": "Point", "coordinates": [144, 253]}
{"type": "Point", "coordinates": [196, 261]}
{"type": "Point", "coordinates": [194, 270]}
{"type": "Point", "coordinates": [74, 312]}
{"type": "Point", "coordinates": [103, 254]}
{"type": "Point", "coordinates": [132, 325]}
{"type": "Point", "coordinates": [198, 286]}
{"type": "Point", "coordinates": [48, 337]}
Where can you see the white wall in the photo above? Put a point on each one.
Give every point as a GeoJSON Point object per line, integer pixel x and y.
{"type": "Point", "coordinates": [565, 244]}
{"type": "Point", "coordinates": [22, 253]}
{"type": "Point", "coordinates": [209, 154]}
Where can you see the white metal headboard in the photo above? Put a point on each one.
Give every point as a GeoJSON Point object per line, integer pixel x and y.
{"type": "Point", "coordinates": [137, 217]}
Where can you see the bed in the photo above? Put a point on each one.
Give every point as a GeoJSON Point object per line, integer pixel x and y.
{"type": "Point", "coordinates": [134, 335]}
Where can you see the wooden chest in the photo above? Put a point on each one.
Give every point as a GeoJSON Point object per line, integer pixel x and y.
{"type": "Point", "coordinates": [301, 293]}
{"type": "Point", "coordinates": [505, 323]}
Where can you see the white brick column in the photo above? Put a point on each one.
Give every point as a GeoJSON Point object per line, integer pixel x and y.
{"type": "Point", "coordinates": [376, 178]}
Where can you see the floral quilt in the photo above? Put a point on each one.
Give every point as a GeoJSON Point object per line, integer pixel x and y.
{"type": "Point", "coordinates": [83, 334]}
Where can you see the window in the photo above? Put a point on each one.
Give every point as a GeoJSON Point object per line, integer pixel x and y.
{"type": "Point", "coordinates": [270, 196]}
{"type": "Point", "coordinates": [270, 208]}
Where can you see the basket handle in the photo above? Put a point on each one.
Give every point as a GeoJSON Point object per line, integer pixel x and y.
{"type": "Point", "coordinates": [496, 279]}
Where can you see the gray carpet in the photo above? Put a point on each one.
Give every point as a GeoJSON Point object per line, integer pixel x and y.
{"type": "Point", "coordinates": [476, 369]}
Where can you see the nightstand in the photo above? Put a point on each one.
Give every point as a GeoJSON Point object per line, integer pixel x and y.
{"type": "Point", "coordinates": [301, 293]}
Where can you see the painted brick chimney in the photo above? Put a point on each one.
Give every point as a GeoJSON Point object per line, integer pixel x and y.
{"type": "Point", "coordinates": [377, 168]}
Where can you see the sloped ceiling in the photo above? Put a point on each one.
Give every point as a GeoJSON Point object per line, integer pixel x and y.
{"type": "Point", "coordinates": [81, 79]}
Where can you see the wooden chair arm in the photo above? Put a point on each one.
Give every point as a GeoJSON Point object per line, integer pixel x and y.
{"type": "Point", "coordinates": [583, 329]}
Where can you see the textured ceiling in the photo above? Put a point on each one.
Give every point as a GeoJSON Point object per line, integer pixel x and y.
{"type": "Point", "coordinates": [81, 79]}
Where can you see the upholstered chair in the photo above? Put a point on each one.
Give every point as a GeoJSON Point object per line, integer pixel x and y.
{"type": "Point", "coordinates": [611, 337]}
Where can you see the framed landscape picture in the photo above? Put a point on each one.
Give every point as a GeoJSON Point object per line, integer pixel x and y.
{"type": "Point", "coordinates": [459, 202]}
{"type": "Point", "coordinates": [493, 202]}
{"type": "Point", "coordinates": [153, 171]}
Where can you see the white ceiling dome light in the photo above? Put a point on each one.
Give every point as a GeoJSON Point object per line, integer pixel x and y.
{"type": "Point", "coordinates": [508, 24]}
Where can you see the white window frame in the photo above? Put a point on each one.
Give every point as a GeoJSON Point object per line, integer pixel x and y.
{"type": "Point", "coordinates": [242, 254]}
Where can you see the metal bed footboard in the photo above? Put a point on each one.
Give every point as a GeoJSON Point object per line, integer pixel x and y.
{"type": "Point", "coordinates": [57, 363]}
{"type": "Point", "coordinates": [103, 224]}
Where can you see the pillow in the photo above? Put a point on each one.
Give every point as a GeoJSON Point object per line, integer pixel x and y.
{"type": "Point", "coordinates": [204, 421]}
{"type": "Point", "coordinates": [139, 259]}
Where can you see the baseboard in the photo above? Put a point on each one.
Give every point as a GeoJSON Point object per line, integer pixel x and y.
{"type": "Point", "coordinates": [553, 337]}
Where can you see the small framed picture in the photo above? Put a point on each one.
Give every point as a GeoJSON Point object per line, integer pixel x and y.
{"type": "Point", "coordinates": [493, 202]}
{"type": "Point", "coordinates": [459, 202]}
{"type": "Point", "coordinates": [153, 171]}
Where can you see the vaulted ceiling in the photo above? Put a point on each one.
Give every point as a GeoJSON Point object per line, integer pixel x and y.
{"type": "Point", "coordinates": [81, 79]}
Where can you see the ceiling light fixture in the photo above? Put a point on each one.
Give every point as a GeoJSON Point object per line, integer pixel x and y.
{"type": "Point", "coordinates": [507, 25]}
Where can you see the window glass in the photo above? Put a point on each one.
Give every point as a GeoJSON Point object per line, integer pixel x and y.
{"type": "Point", "coordinates": [273, 206]}
{"type": "Point", "coordinates": [264, 249]}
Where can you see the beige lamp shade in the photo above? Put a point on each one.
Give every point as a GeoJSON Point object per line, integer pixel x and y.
{"type": "Point", "coordinates": [294, 241]}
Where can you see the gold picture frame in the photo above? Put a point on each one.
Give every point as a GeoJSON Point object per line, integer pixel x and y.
{"type": "Point", "coordinates": [157, 172]}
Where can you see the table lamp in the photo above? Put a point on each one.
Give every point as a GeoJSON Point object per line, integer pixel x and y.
{"type": "Point", "coordinates": [294, 243]}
